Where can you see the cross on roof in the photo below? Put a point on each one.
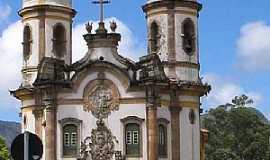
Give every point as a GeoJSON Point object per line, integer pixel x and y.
{"type": "Point", "coordinates": [101, 2]}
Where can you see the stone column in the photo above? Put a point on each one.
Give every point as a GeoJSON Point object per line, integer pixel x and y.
{"type": "Point", "coordinates": [175, 124]}
{"type": "Point", "coordinates": [38, 113]}
{"type": "Point", "coordinates": [42, 35]}
{"type": "Point", "coordinates": [152, 137]}
{"type": "Point", "coordinates": [175, 132]}
{"type": "Point", "coordinates": [152, 133]}
{"type": "Point", "coordinates": [50, 129]}
{"type": "Point", "coordinates": [204, 141]}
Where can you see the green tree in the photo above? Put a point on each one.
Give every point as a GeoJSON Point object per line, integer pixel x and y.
{"type": "Point", "coordinates": [4, 154]}
{"type": "Point", "coordinates": [236, 132]}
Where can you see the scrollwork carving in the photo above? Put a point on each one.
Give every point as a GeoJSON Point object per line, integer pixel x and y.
{"type": "Point", "coordinates": [101, 98]}
{"type": "Point", "coordinates": [100, 145]}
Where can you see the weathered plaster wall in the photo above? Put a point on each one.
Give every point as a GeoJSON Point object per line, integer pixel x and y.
{"type": "Point", "coordinates": [113, 122]}
{"type": "Point", "coordinates": [162, 23]}
{"type": "Point", "coordinates": [189, 136]}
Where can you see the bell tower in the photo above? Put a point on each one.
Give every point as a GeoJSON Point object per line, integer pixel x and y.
{"type": "Point", "coordinates": [47, 33]}
{"type": "Point", "coordinates": [172, 34]}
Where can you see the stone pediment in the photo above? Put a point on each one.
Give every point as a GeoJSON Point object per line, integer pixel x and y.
{"type": "Point", "coordinates": [126, 76]}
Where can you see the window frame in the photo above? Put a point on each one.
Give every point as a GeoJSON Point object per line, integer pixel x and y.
{"type": "Point", "coordinates": [190, 22]}
{"type": "Point", "coordinates": [154, 37]}
{"type": "Point", "coordinates": [66, 138]}
{"type": "Point", "coordinates": [139, 122]}
{"type": "Point", "coordinates": [70, 121]}
{"type": "Point", "coordinates": [137, 136]}
{"type": "Point", "coordinates": [27, 42]}
{"type": "Point", "coordinates": [164, 123]}
{"type": "Point", "coordinates": [62, 42]}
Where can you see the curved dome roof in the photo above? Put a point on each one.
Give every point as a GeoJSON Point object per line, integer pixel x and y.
{"type": "Point", "coordinates": [64, 3]}
{"type": "Point", "coordinates": [150, 1]}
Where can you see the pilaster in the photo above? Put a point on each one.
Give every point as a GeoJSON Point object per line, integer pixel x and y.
{"type": "Point", "coordinates": [152, 137]}
{"type": "Point", "coordinates": [42, 34]}
{"type": "Point", "coordinates": [175, 125]}
{"type": "Point", "coordinates": [38, 113]}
{"type": "Point", "coordinates": [204, 141]}
{"type": "Point", "coordinates": [50, 129]}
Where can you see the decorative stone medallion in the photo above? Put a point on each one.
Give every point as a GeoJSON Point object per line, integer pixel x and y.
{"type": "Point", "coordinates": [101, 97]}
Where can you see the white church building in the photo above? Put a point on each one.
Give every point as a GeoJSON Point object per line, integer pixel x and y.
{"type": "Point", "coordinates": [106, 106]}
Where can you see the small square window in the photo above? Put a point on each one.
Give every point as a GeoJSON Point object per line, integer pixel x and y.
{"type": "Point", "coordinates": [129, 137]}
{"type": "Point", "coordinates": [74, 139]}
{"type": "Point", "coordinates": [135, 137]}
{"type": "Point", "coordinates": [66, 139]}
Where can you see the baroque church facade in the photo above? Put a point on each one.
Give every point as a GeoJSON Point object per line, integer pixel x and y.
{"type": "Point", "coordinates": [106, 106]}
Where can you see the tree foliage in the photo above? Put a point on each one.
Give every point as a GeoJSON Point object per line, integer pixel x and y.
{"type": "Point", "coordinates": [236, 132]}
{"type": "Point", "coordinates": [4, 154]}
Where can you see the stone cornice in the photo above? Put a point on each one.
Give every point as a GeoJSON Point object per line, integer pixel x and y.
{"type": "Point", "coordinates": [132, 119]}
{"type": "Point", "coordinates": [195, 89]}
{"type": "Point", "coordinates": [181, 64]}
{"type": "Point", "coordinates": [65, 121]}
{"type": "Point", "coordinates": [170, 4]}
{"type": "Point", "coordinates": [49, 8]}
{"type": "Point", "coordinates": [102, 40]}
{"type": "Point", "coordinates": [23, 93]}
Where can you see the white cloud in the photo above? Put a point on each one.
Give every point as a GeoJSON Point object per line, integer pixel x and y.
{"type": "Point", "coordinates": [10, 56]}
{"type": "Point", "coordinates": [224, 90]}
{"type": "Point", "coordinates": [253, 46]}
{"type": "Point", "coordinates": [5, 12]}
{"type": "Point", "coordinates": [128, 47]}
{"type": "Point", "coordinates": [10, 64]}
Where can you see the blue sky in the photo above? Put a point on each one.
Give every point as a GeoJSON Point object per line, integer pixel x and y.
{"type": "Point", "coordinates": [234, 46]}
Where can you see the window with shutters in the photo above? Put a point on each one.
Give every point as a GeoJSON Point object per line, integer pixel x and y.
{"type": "Point", "coordinates": [129, 137]}
{"type": "Point", "coordinates": [73, 139]}
{"type": "Point", "coordinates": [135, 137]}
{"type": "Point", "coordinates": [133, 144]}
{"type": "Point", "coordinates": [27, 42]}
{"type": "Point", "coordinates": [132, 139]}
{"type": "Point", "coordinates": [70, 137]}
{"type": "Point", "coordinates": [59, 40]}
{"type": "Point", "coordinates": [70, 140]}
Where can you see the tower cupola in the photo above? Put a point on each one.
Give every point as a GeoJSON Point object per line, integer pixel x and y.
{"type": "Point", "coordinates": [47, 33]}
{"type": "Point", "coordinates": [173, 34]}
{"type": "Point", "coordinates": [62, 3]}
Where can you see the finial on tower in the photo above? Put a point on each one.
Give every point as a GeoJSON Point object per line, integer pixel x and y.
{"type": "Point", "coordinates": [101, 28]}
{"type": "Point", "coordinates": [113, 26]}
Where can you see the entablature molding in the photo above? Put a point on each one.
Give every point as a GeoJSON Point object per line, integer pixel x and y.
{"type": "Point", "coordinates": [70, 120]}
{"type": "Point", "coordinates": [132, 119]}
{"type": "Point", "coordinates": [23, 93]}
{"type": "Point", "coordinates": [172, 4]}
{"type": "Point", "coordinates": [181, 64]}
{"type": "Point", "coordinates": [46, 8]}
